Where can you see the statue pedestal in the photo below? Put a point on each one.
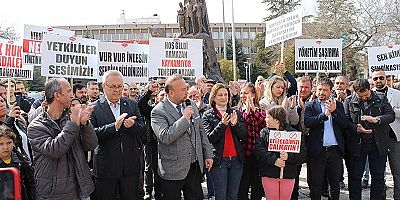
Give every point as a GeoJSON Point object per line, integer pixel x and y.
{"type": "Point", "coordinates": [210, 64]}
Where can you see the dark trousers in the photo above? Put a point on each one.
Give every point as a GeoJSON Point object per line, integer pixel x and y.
{"type": "Point", "coordinates": [330, 160]}
{"type": "Point", "coordinates": [296, 188]}
{"type": "Point", "coordinates": [250, 179]}
{"type": "Point", "coordinates": [151, 178]}
{"type": "Point", "coordinates": [377, 164]}
{"type": "Point", "coordinates": [191, 186]}
{"type": "Point", "coordinates": [106, 189]}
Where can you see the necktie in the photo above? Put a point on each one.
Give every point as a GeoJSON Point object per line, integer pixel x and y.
{"type": "Point", "coordinates": [178, 108]}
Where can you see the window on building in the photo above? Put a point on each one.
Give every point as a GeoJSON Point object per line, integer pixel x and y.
{"type": "Point", "coordinates": [145, 36]}
{"type": "Point", "coordinates": [215, 35]}
{"type": "Point", "coordinates": [238, 35]}
{"type": "Point", "coordinates": [168, 35]}
{"type": "Point", "coordinates": [245, 35]}
{"type": "Point", "coordinates": [252, 35]}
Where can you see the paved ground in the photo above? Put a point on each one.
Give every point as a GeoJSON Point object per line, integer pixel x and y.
{"type": "Point", "coordinates": [344, 193]}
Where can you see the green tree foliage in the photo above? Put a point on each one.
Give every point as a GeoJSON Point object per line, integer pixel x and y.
{"type": "Point", "coordinates": [37, 84]}
{"type": "Point", "coordinates": [240, 57]}
{"type": "Point", "coordinates": [279, 7]}
{"type": "Point", "coordinates": [226, 69]}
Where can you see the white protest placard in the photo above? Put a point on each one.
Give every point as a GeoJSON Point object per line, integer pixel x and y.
{"type": "Point", "coordinates": [130, 59]}
{"type": "Point", "coordinates": [11, 61]}
{"type": "Point", "coordinates": [318, 55]}
{"type": "Point", "coordinates": [170, 56]}
{"type": "Point", "coordinates": [69, 57]}
{"type": "Point", "coordinates": [284, 141]}
{"type": "Point", "coordinates": [32, 41]}
{"type": "Point", "coordinates": [283, 28]}
{"type": "Point", "coordinates": [386, 58]}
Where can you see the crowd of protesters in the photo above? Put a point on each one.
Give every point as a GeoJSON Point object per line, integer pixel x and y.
{"type": "Point", "coordinates": [119, 140]}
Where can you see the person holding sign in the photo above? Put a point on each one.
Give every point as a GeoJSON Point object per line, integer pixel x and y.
{"type": "Point", "coordinates": [325, 144]}
{"type": "Point", "coordinates": [225, 128]}
{"type": "Point", "coordinates": [272, 163]}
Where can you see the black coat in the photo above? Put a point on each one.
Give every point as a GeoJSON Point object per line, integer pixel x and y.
{"type": "Point", "coordinates": [378, 107]}
{"type": "Point", "coordinates": [315, 119]}
{"type": "Point", "coordinates": [26, 172]}
{"type": "Point", "coordinates": [215, 130]}
{"type": "Point", "coordinates": [118, 152]}
{"type": "Point", "coordinates": [267, 158]}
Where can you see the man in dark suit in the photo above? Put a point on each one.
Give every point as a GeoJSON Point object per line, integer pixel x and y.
{"type": "Point", "coordinates": [325, 118]}
{"type": "Point", "coordinates": [183, 146]}
{"type": "Point", "coordinates": [118, 125]}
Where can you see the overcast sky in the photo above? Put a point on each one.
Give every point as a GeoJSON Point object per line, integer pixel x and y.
{"type": "Point", "coordinates": [94, 12]}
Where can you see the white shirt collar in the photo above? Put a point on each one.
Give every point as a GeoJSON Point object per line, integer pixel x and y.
{"type": "Point", "coordinates": [173, 104]}
{"type": "Point", "coordinates": [111, 103]}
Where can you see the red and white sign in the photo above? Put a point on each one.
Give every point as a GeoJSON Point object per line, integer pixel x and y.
{"type": "Point", "coordinates": [130, 59]}
{"type": "Point", "coordinates": [386, 58]}
{"type": "Point", "coordinates": [33, 36]}
{"type": "Point", "coordinates": [171, 56]}
{"type": "Point", "coordinates": [69, 57]}
{"type": "Point", "coordinates": [11, 61]}
{"type": "Point", "coordinates": [284, 141]}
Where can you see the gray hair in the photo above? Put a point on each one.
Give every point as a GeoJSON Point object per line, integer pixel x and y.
{"type": "Point", "coordinates": [170, 80]}
{"type": "Point", "coordinates": [52, 86]}
{"type": "Point", "coordinates": [111, 73]}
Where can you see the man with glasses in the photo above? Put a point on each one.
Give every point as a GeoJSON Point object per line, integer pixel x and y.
{"type": "Point", "coordinates": [370, 114]}
{"type": "Point", "coordinates": [118, 124]}
{"type": "Point", "coordinates": [380, 82]}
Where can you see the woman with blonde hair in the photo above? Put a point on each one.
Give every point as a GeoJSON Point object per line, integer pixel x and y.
{"type": "Point", "coordinates": [225, 128]}
{"type": "Point", "coordinates": [275, 94]}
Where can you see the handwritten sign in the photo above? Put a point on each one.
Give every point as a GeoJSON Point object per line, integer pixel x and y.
{"type": "Point", "coordinates": [284, 141]}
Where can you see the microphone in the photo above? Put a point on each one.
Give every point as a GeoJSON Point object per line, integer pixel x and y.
{"type": "Point", "coordinates": [189, 103]}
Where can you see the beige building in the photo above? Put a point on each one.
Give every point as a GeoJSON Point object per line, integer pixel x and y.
{"type": "Point", "coordinates": [245, 33]}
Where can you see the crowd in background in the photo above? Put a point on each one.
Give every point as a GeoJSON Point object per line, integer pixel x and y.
{"type": "Point", "coordinates": [120, 140]}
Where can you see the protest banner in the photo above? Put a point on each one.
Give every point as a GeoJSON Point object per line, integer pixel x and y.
{"type": "Point", "coordinates": [318, 55]}
{"type": "Point", "coordinates": [69, 57]}
{"type": "Point", "coordinates": [32, 41]}
{"type": "Point", "coordinates": [11, 61]}
{"type": "Point", "coordinates": [170, 56]}
{"type": "Point", "coordinates": [283, 28]}
{"type": "Point", "coordinates": [386, 58]}
{"type": "Point", "coordinates": [289, 142]}
{"type": "Point", "coordinates": [130, 59]}
{"type": "Point", "coordinates": [284, 141]}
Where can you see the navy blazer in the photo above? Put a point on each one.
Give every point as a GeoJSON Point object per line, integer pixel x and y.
{"type": "Point", "coordinates": [118, 152]}
{"type": "Point", "coordinates": [314, 119]}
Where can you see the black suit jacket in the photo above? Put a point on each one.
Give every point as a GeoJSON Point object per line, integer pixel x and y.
{"type": "Point", "coordinates": [118, 152]}
{"type": "Point", "coordinates": [314, 119]}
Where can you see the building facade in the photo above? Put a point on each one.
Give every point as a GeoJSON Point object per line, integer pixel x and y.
{"type": "Point", "coordinates": [244, 32]}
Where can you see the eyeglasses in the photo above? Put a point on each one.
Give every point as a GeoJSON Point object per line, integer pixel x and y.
{"type": "Point", "coordinates": [115, 87]}
{"type": "Point", "coordinates": [133, 89]}
{"type": "Point", "coordinates": [380, 78]}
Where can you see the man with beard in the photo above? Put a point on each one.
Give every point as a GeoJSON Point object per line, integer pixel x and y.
{"type": "Point", "coordinates": [370, 114]}
{"type": "Point", "coordinates": [380, 81]}
{"type": "Point", "coordinates": [80, 92]}
{"type": "Point", "coordinates": [92, 91]}
{"type": "Point", "coordinates": [325, 143]}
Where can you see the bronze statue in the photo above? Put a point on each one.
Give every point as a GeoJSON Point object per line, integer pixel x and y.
{"type": "Point", "coordinates": [181, 18]}
{"type": "Point", "coordinates": [198, 9]}
{"type": "Point", "coordinates": [189, 17]}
